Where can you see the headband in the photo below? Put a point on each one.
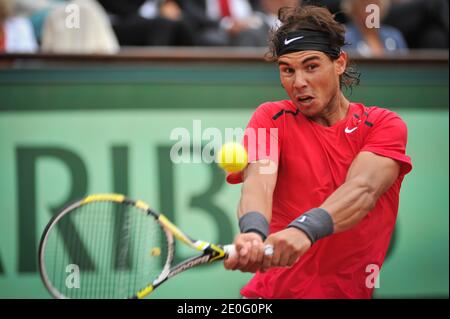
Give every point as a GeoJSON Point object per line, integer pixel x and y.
{"type": "Point", "coordinates": [303, 40]}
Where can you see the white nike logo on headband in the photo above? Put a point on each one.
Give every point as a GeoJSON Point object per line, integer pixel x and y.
{"type": "Point", "coordinates": [286, 41]}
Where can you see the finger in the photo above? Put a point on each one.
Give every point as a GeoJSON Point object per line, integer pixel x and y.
{"type": "Point", "coordinates": [284, 258]}
{"type": "Point", "coordinates": [239, 244]}
{"type": "Point", "coordinates": [254, 252]}
{"type": "Point", "coordinates": [244, 255]}
{"type": "Point", "coordinates": [276, 257]}
{"type": "Point", "coordinates": [255, 263]}
{"type": "Point", "coordinates": [267, 257]}
{"type": "Point", "coordinates": [242, 247]}
{"type": "Point", "coordinates": [241, 239]}
{"type": "Point", "coordinates": [231, 262]}
{"type": "Point", "coordinates": [260, 253]}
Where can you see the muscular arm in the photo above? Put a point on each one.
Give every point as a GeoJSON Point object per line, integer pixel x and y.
{"type": "Point", "coordinates": [257, 194]}
{"type": "Point", "coordinates": [368, 178]}
{"type": "Point", "coordinates": [257, 190]}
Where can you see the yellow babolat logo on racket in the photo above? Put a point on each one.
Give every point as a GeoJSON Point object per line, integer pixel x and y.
{"type": "Point", "coordinates": [220, 253]}
{"type": "Point", "coordinates": [104, 197]}
{"type": "Point", "coordinates": [144, 292]}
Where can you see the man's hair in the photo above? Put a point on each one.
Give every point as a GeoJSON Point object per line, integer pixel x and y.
{"type": "Point", "coordinates": [317, 18]}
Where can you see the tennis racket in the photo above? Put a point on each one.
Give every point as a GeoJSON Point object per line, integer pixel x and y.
{"type": "Point", "coordinates": [109, 246]}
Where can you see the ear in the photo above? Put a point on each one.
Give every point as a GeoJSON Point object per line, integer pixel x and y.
{"type": "Point", "coordinates": [340, 63]}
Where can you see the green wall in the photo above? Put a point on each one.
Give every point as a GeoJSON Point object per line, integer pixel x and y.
{"type": "Point", "coordinates": [75, 130]}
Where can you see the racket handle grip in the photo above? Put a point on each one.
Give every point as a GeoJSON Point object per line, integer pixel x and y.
{"type": "Point", "coordinates": [230, 250]}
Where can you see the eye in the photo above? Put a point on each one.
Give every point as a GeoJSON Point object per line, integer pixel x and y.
{"type": "Point", "coordinates": [311, 67]}
{"type": "Point", "coordinates": [287, 70]}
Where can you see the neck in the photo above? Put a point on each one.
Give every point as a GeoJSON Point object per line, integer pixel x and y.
{"type": "Point", "coordinates": [335, 111]}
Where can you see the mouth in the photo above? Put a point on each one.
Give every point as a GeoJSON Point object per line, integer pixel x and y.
{"type": "Point", "coordinates": [304, 99]}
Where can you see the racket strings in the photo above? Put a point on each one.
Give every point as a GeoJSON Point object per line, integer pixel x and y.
{"type": "Point", "coordinates": [117, 248]}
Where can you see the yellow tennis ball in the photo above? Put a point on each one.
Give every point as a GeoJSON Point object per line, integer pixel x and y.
{"type": "Point", "coordinates": [156, 251]}
{"type": "Point", "coordinates": [232, 157]}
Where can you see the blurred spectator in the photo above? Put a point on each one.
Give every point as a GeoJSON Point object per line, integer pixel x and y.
{"type": "Point", "coordinates": [226, 22]}
{"type": "Point", "coordinates": [16, 32]}
{"type": "Point", "coordinates": [423, 23]}
{"type": "Point", "coordinates": [93, 34]}
{"type": "Point", "coordinates": [370, 40]}
{"type": "Point", "coordinates": [271, 8]}
{"type": "Point", "coordinates": [333, 5]}
{"type": "Point", "coordinates": [148, 22]}
{"type": "Point", "coordinates": [37, 11]}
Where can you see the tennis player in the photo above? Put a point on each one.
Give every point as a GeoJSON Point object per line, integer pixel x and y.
{"type": "Point", "coordinates": [319, 225]}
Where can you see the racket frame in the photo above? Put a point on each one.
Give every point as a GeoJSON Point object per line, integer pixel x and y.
{"type": "Point", "coordinates": [211, 252]}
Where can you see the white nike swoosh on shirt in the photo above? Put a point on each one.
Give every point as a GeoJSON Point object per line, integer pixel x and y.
{"type": "Point", "coordinates": [348, 131]}
{"type": "Point", "coordinates": [302, 219]}
{"type": "Point", "coordinates": [286, 41]}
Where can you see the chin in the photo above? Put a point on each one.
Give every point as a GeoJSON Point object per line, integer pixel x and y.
{"type": "Point", "coordinates": [308, 113]}
{"type": "Point", "coordinates": [309, 110]}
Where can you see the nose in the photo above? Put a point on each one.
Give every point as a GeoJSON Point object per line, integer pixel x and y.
{"type": "Point", "coordinates": [300, 81]}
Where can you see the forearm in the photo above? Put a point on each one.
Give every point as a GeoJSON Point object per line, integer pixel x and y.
{"type": "Point", "coordinates": [254, 213]}
{"type": "Point", "coordinates": [350, 203]}
{"type": "Point", "coordinates": [255, 197]}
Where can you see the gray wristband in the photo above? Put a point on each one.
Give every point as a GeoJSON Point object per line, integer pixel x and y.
{"type": "Point", "coordinates": [254, 222]}
{"type": "Point", "coordinates": [316, 224]}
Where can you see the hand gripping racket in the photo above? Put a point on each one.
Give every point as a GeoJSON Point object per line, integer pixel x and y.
{"type": "Point", "coordinates": [109, 246]}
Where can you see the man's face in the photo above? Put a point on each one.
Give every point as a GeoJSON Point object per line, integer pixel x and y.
{"type": "Point", "coordinates": [311, 80]}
